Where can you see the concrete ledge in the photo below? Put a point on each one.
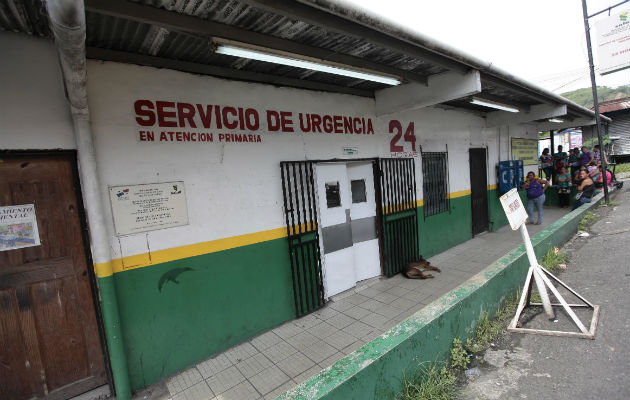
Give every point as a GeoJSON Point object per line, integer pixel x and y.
{"type": "Point", "coordinates": [375, 370]}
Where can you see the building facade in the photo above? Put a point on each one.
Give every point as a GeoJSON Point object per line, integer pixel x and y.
{"type": "Point", "coordinates": [199, 211]}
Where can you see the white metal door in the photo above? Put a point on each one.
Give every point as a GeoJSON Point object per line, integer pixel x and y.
{"type": "Point", "coordinates": [347, 210]}
{"type": "Point", "coordinates": [363, 221]}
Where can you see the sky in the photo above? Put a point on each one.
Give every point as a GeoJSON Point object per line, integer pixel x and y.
{"type": "Point", "coordinates": [542, 41]}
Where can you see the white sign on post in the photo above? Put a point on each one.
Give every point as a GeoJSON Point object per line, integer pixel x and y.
{"type": "Point", "coordinates": [141, 208]}
{"type": "Point", "coordinates": [613, 42]}
{"type": "Point", "coordinates": [514, 209]}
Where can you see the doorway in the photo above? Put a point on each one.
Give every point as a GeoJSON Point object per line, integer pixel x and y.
{"type": "Point", "coordinates": [49, 338]}
{"type": "Point", "coordinates": [348, 224]}
{"type": "Point", "coordinates": [479, 190]}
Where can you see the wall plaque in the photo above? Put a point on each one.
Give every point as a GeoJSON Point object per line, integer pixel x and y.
{"type": "Point", "coordinates": [148, 207]}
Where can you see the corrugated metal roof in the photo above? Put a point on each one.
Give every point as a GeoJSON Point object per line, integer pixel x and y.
{"type": "Point", "coordinates": [126, 35]}
{"type": "Point", "coordinates": [614, 105]}
{"type": "Point", "coordinates": [24, 16]}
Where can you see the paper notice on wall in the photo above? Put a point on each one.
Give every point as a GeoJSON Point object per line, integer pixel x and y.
{"type": "Point", "coordinates": [18, 227]}
{"type": "Point", "coordinates": [147, 207]}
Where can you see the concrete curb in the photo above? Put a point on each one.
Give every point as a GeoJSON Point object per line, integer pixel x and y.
{"type": "Point", "coordinates": [375, 370]}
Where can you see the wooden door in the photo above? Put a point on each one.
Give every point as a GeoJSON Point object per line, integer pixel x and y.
{"type": "Point", "coordinates": [49, 340]}
{"type": "Point", "coordinates": [479, 190]}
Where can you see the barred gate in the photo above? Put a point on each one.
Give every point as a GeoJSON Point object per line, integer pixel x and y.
{"type": "Point", "coordinates": [300, 208]}
{"type": "Point", "coordinates": [399, 218]}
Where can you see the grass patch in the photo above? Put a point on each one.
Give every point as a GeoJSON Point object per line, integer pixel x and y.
{"type": "Point", "coordinates": [622, 168]}
{"type": "Point", "coordinates": [438, 380]}
{"type": "Point", "coordinates": [459, 356]}
{"type": "Point", "coordinates": [432, 382]}
{"type": "Point", "coordinates": [552, 260]}
{"type": "Point", "coordinates": [611, 203]}
{"type": "Point", "coordinates": [587, 220]}
{"type": "Point", "coordinates": [489, 330]}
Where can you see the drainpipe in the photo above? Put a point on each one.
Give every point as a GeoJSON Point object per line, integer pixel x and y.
{"type": "Point", "coordinates": [67, 21]}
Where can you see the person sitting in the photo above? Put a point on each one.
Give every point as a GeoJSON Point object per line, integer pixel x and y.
{"type": "Point", "coordinates": [598, 178]}
{"type": "Point", "coordinates": [587, 157]}
{"type": "Point", "coordinates": [563, 180]}
{"type": "Point", "coordinates": [592, 169]}
{"type": "Point", "coordinates": [560, 159]}
{"type": "Point", "coordinates": [586, 189]}
{"type": "Point", "coordinates": [574, 160]}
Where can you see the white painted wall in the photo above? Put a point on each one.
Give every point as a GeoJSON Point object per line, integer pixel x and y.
{"type": "Point", "coordinates": [499, 141]}
{"type": "Point", "coordinates": [34, 113]}
{"type": "Point", "coordinates": [234, 188]}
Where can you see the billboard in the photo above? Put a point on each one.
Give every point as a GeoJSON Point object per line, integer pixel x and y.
{"type": "Point", "coordinates": [613, 42]}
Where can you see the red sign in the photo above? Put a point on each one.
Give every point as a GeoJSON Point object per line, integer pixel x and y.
{"type": "Point", "coordinates": [188, 122]}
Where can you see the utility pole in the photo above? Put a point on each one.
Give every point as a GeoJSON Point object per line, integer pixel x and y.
{"type": "Point", "coordinates": [598, 121]}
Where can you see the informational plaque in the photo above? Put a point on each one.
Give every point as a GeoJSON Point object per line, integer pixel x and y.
{"type": "Point", "coordinates": [514, 209]}
{"type": "Point", "coordinates": [141, 208]}
{"type": "Point", "coordinates": [526, 150]}
{"type": "Point", "coordinates": [18, 227]}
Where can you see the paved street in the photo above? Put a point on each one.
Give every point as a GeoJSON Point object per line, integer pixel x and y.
{"type": "Point", "coordinates": [545, 367]}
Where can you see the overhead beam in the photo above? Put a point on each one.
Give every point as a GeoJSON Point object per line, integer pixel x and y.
{"type": "Point", "coordinates": [185, 23]}
{"type": "Point", "coordinates": [203, 69]}
{"type": "Point", "coordinates": [536, 112]}
{"type": "Point", "coordinates": [576, 123]}
{"type": "Point", "coordinates": [345, 26]}
{"type": "Point", "coordinates": [440, 88]}
{"type": "Point", "coordinates": [514, 87]}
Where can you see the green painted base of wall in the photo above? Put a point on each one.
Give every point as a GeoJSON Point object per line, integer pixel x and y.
{"type": "Point", "coordinates": [375, 371]}
{"type": "Point", "coordinates": [552, 199]}
{"type": "Point", "coordinates": [223, 299]}
{"type": "Point", "coordinates": [178, 313]}
{"type": "Point", "coordinates": [442, 231]}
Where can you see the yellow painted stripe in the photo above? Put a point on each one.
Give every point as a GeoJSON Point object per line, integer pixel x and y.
{"type": "Point", "coordinates": [176, 253]}
{"type": "Point", "coordinates": [492, 187]}
{"type": "Point", "coordinates": [103, 270]}
{"type": "Point", "coordinates": [461, 193]}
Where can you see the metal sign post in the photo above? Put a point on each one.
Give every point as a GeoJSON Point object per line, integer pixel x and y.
{"type": "Point", "coordinates": [515, 212]}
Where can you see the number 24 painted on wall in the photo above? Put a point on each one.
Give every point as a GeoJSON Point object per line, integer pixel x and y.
{"type": "Point", "coordinates": [410, 136]}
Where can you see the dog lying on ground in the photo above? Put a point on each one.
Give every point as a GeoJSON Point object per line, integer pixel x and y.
{"type": "Point", "coordinates": [416, 269]}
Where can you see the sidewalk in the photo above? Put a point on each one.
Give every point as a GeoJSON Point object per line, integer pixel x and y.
{"type": "Point", "coordinates": [273, 362]}
{"type": "Point", "coordinates": [562, 368]}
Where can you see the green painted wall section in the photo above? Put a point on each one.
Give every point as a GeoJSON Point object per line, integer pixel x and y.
{"type": "Point", "coordinates": [551, 197]}
{"type": "Point", "coordinates": [375, 371]}
{"type": "Point", "coordinates": [206, 304]}
{"type": "Point", "coordinates": [442, 231]}
{"type": "Point", "coordinates": [496, 215]}
{"type": "Point", "coordinates": [113, 335]}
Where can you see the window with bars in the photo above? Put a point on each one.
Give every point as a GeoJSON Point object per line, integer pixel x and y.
{"type": "Point", "coordinates": [435, 183]}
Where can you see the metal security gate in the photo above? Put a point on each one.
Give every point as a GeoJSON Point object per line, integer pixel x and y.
{"type": "Point", "coordinates": [300, 208]}
{"type": "Point", "coordinates": [399, 218]}
{"type": "Point", "coordinates": [478, 190]}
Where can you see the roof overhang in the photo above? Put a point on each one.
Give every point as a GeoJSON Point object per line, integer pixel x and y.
{"type": "Point", "coordinates": [178, 35]}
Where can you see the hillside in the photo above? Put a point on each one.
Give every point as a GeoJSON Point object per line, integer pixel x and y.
{"type": "Point", "coordinates": [584, 96]}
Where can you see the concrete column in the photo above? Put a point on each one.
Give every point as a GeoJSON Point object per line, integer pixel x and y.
{"type": "Point", "coordinates": [67, 20]}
